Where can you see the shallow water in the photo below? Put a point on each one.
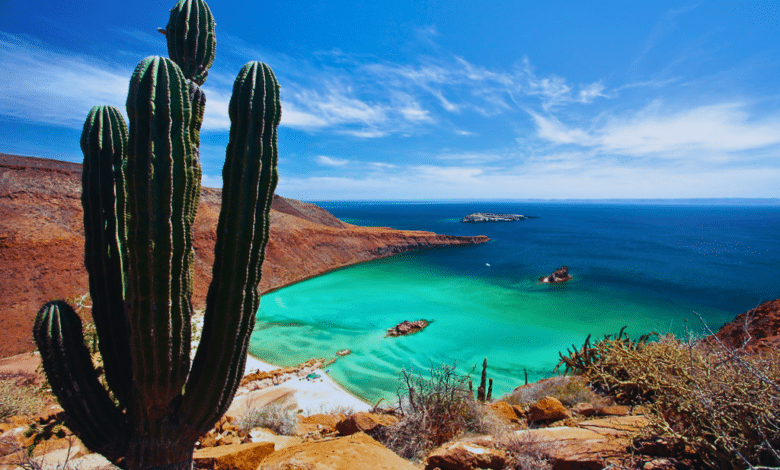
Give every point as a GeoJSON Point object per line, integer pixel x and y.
{"type": "Point", "coordinates": [645, 267]}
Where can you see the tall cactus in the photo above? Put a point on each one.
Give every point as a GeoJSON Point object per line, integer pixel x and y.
{"type": "Point", "coordinates": [140, 196]}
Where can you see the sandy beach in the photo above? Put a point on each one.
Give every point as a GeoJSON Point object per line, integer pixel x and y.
{"type": "Point", "coordinates": [312, 396]}
{"type": "Point", "coordinates": [293, 391]}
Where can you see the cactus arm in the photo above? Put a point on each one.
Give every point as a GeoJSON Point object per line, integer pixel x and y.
{"type": "Point", "coordinates": [90, 413]}
{"type": "Point", "coordinates": [249, 178]}
{"type": "Point", "coordinates": [104, 143]}
{"type": "Point", "coordinates": [159, 177]}
{"type": "Point", "coordinates": [191, 40]}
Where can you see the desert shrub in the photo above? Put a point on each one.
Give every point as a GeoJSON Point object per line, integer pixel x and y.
{"type": "Point", "coordinates": [330, 410]}
{"type": "Point", "coordinates": [274, 417]}
{"type": "Point", "coordinates": [591, 360]}
{"type": "Point", "coordinates": [433, 410]}
{"type": "Point", "coordinates": [524, 452]}
{"type": "Point", "coordinates": [722, 403]}
{"type": "Point", "coordinates": [569, 390]}
{"type": "Point", "coordinates": [18, 396]}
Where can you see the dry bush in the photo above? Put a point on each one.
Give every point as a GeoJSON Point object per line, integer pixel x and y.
{"type": "Point", "coordinates": [18, 456]}
{"type": "Point", "coordinates": [722, 403]}
{"type": "Point", "coordinates": [19, 395]}
{"type": "Point", "coordinates": [570, 390]}
{"type": "Point", "coordinates": [280, 420]}
{"type": "Point", "coordinates": [433, 410]}
{"type": "Point", "coordinates": [525, 452]}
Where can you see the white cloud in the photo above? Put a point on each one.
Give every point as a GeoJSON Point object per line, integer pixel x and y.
{"type": "Point", "coordinates": [717, 128]}
{"type": "Point", "coordinates": [328, 161]}
{"type": "Point", "coordinates": [211, 181]}
{"type": "Point", "coordinates": [40, 85]}
{"type": "Point", "coordinates": [552, 130]}
{"type": "Point", "coordinates": [540, 181]}
{"type": "Point", "coordinates": [699, 132]}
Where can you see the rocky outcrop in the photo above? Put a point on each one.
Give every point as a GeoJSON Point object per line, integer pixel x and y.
{"type": "Point", "coordinates": [560, 275]}
{"type": "Point", "coordinates": [755, 330]}
{"type": "Point", "coordinates": [368, 423]}
{"type": "Point", "coordinates": [407, 327]}
{"type": "Point", "coordinates": [233, 457]}
{"type": "Point", "coordinates": [42, 243]}
{"type": "Point", "coordinates": [465, 455]}
{"type": "Point", "coordinates": [355, 452]}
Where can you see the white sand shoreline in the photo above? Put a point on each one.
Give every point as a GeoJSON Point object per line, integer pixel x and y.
{"type": "Point", "coordinates": [310, 395]}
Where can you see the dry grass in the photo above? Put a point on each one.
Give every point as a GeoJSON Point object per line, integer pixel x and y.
{"type": "Point", "coordinates": [19, 395]}
{"type": "Point", "coordinates": [280, 420]}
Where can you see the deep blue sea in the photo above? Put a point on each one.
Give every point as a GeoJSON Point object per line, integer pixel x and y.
{"type": "Point", "coordinates": [650, 267]}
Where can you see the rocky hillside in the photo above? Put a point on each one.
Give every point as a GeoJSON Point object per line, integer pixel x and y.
{"type": "Point", "coordinates": [42, 242]}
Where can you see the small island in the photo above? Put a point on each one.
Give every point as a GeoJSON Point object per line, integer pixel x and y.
{"type": "Point", "coordinates": [407, 327]}
{"type": "Point", "coordinates": [560, 275]}
{"type": "Point", "coordinates": [490, 217]}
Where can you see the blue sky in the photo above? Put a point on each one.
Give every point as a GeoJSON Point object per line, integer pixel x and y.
{"type": "Point", "coordinates": [440, 99]}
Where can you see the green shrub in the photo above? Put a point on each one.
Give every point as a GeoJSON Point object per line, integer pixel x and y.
{"type": "Point", "coordinates": [433, 410]}
{"type": "Point", "coordinates": [274, 417]}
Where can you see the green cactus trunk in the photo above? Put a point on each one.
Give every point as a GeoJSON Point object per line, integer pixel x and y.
{"type": "Point", "coordinates": [140, 197]}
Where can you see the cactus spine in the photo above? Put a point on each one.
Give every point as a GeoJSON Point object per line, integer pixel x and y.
{"type": "Point", "coordinates": [140, 196]}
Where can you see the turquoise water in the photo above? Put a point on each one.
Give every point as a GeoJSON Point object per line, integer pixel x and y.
{"type": "Point", "coordinates": [646, 267]}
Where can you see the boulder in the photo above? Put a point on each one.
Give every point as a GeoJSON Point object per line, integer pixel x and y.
{"type": "Point", "coordinates": [365, 422]}
{"type": "Point", "coordinates": [584, 409]}
{"type": "Point", "coordinates": [548, 409]}
{"type": "Point", "coordinates": [356, 452]}
{"type": "Point", "coordinates": [560, 275]}
{"type": "Point", "coordinates": [233, 457]}
{"type": "Point", "coordinates": [465, 456]}
{"type": "Point", "coordinates": [505, 412]}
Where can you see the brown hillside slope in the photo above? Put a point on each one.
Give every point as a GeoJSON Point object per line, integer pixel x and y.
{"type": "Point", "coordinates": [42, 242]}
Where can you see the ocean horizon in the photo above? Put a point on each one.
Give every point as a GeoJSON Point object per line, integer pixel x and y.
{"type": "Point", "coordinates": [648, 265]}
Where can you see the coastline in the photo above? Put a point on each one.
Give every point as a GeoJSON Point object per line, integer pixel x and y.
{"type": "Point", "coordinates": [292, 392]}
{"type": "Point", "coordinates": [312, 396]}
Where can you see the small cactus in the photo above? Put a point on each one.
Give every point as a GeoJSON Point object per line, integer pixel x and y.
{"type": "Point", "coordinates": [481, 395]}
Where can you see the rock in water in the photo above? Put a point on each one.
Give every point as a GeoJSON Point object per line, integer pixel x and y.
{"type": "Point", "coordinates": [560, 275]}
{"type": "Point", "coordinates": [407, 327]}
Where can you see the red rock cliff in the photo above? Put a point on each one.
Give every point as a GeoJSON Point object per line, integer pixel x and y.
{"type": "Point", "coordinates": [42, 243]}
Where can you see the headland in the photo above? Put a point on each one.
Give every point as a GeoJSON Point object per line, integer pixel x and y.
{"type": "Point", "coordinates": [42, 243]}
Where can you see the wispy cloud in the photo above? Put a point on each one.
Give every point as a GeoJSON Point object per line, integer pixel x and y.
{"type": "Point", "coordinates": [328, 161]}
{"type": "Point", "coordinates": [40, 85]}
{"type": "Point", "coordinates": [702, 130]}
